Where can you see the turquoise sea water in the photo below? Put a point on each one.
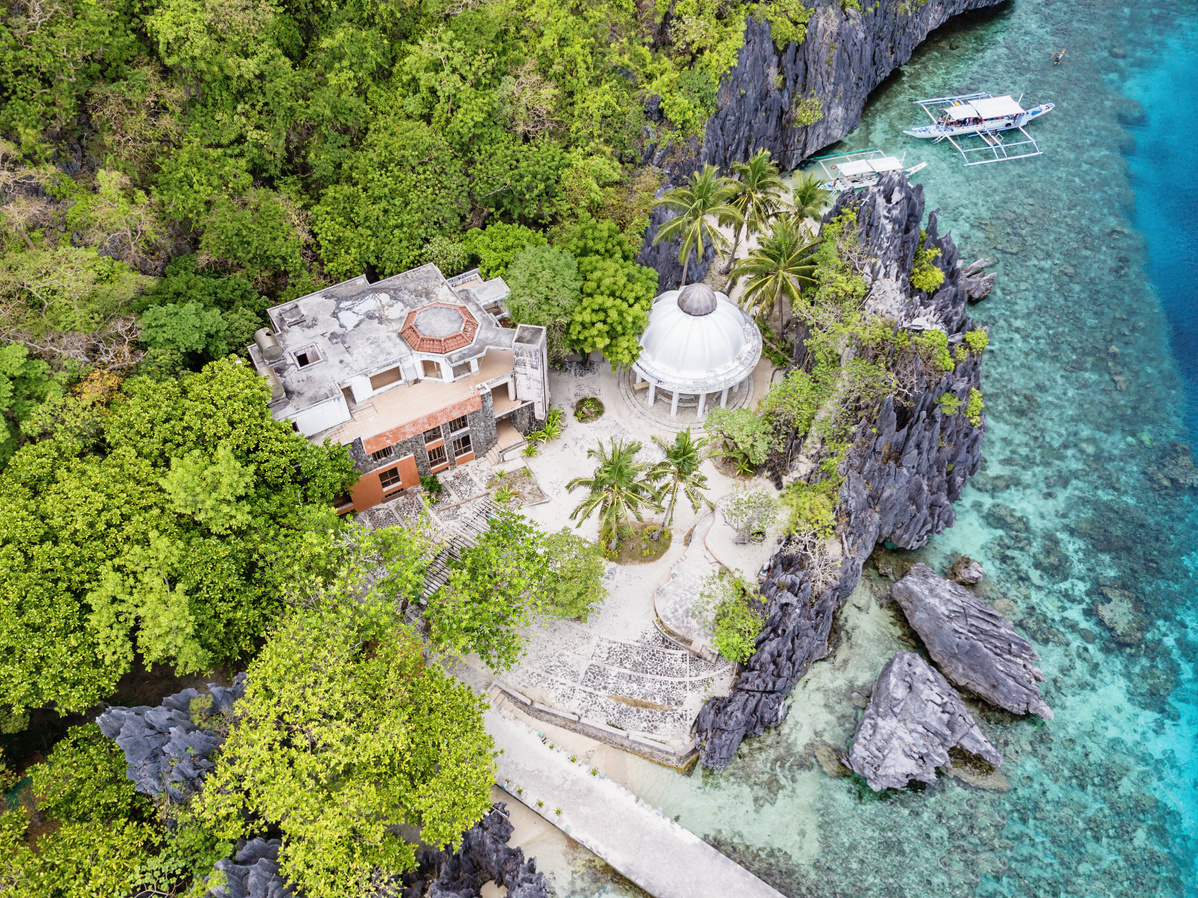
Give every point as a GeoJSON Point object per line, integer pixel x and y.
{"type": "Point", "coordinates": [1080, 514]}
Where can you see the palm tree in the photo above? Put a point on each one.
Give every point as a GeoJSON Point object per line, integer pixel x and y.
{"type": "Point", "coordinates": [619, 488]}
{"type": "Point", "coordinates": [679, 470]}
{"type": "Point", "coordinates": [808, 199]}
{"type": "Point", "coordinates": [757, 196]}
{"type": "Point", "coordinates": [701, 205]}
{"type": "Point", "coordinates": [777, 269]}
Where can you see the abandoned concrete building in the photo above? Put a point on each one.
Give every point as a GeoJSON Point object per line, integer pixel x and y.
{"type": "Point", "coordinates": [414, 373]}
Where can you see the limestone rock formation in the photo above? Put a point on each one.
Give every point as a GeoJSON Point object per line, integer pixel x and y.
{"type": "Point", "coordinates": [913, 719]}
{"type": "Point", "coordinates": [253, 872]}
{"type": "Point", "coordinates": [486, 857]}
{"type": "Point", "coordinates": [903, 472]}
{"type": "Point", "coordinates": [169, 748]}
{"type": "Point", "coordinates": [845, 55]}
{"type": "Point", "coordinates": [972, 644]}
{"type": "Point", "coordinates": [966, 571]}
{"type": "Point", "coordinates": [977, 282]}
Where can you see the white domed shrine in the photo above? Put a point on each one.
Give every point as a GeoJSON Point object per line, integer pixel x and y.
{"type": "Point", "coordinates": [698, 344]}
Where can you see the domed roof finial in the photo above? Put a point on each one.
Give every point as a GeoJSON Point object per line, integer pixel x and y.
{"type": "Point", "coordinates": [697, 300]}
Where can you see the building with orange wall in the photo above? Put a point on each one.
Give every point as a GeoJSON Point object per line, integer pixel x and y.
{"type": "Point", "coordinates": [414, 374]}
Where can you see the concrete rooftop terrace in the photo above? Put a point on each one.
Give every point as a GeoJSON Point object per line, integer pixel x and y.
{"type": "Point", "coordinates": [352, 331]}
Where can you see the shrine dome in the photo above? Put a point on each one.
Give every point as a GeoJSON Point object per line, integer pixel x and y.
{"type": "Point", "coordinates": [698, 342]}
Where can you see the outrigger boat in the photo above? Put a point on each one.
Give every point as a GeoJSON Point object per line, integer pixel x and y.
{"type": "Point", "coordinates": [983, 116]}
{"type": "Point", "coordinates": [859, 168]}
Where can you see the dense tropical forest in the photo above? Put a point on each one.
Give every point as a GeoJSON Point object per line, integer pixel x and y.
{"type": "Point", "coordinates": [169, 171]}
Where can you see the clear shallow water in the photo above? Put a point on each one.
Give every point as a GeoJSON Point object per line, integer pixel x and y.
{"type": "Point", "coordinates": [1090, 387]}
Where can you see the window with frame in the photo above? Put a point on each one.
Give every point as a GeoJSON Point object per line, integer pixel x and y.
{"type": "Point", "coordinates": [432, 435]}
{"type": "Point", "coordinates": [384, 453]}
{"type": "Point", "coordinates": [437, 456]}
{"type": "Point", "coordinates": [390, 478]}
{"type": "Point", "coordinates": [461, 446]}
{"type": "Point", "coordinates": [458, 424]}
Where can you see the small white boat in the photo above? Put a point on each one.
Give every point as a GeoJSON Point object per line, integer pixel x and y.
{"type": "Point", "coordinates": [859, 168]}
{"type": "Point", "coordinates": [983, 116]}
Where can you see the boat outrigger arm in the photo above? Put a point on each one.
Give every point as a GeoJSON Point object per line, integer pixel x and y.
{"type": "Point", "coordinates": [860, 168]}
{"type": "Point", "coordinates": [983, 116]}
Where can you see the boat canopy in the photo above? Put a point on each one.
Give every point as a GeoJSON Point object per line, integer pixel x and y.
{"type": "Point", "coordinates": [866, 166]}
{"type": "Point", "coordinates": [990, 107]}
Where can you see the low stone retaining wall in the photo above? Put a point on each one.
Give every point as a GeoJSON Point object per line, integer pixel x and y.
{"type": "Point", "coordinates": [678, 757]}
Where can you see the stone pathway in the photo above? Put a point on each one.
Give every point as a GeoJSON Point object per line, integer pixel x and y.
{"type": "Point", "coordinates": [676, 598]}
{"type": "Point", "coordinates": [645, 682]}
{"type": "Point", "coordinates": [660, 856]}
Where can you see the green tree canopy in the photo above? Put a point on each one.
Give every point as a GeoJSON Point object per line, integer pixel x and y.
{"type": "Point", "coordinates": [546, 288]}
{"type": "Point", "coordinates": [345, 734]}
{"type": "Point", "coordinates": [496, 245]}
{"type": "Point", "coordinates": [496, 588]}
{"type": "Point", "coordinates": [617, 293]}
{"type": "Point", "coordinates": [405, 186]}
{"type": "Point", "coordinates": [24, 384]}
{"type": "Point", "coordinates": [158, 537]}
{"type": "Point", "coordinates": [576, 569]}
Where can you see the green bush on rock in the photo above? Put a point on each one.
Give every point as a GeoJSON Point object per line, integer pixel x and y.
{"type": "Point", "coordinates": [734, 611]}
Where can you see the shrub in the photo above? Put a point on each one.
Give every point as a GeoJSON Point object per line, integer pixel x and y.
{"type": "Point", "coordinates": [750, 512]}
{"type": "Point", "coordinates": [973, 410]}
{"type": "Point", "coordinates": [933, 347]}
{"type": "Point", "coordinates": [432, 486]}
{"type": "Point", "coordinates": [588, 408]}
{"type": "Point", "coordinates": [977, 339]}
{"type": "Point", "coordinates": [447, 254]}
{"type": "Point", "coordinates": [576, 585]}
{"type": "Point", "coordinates": [812, 508]}
{"type": "Point", "coordinates": [925, 276]}
{"type": "Point", "coordinates": [733, 610]}
{"type": "Point", "coordinates": [949, 404]}
{"type": "Point", "coordinates": [807, 111]}
{"type": "Point", "coordinates": [740, 435]}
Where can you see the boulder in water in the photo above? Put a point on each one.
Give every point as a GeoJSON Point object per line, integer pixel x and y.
{"type": "Point", "coordinates": [975, 646]}
{"type": "Point", "coordinates": [913, 719]}
{"type": "Point", "coordinates": [966, 571]}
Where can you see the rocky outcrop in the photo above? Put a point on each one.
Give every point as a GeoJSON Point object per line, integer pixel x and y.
{"type": "Point", "coordinates": [972, 644]}
{"type": "Point", "coordinates": [914, 718]}
{"type": "Point", "coordinates": [767, 99]}
{"type": "Point", "coordinates": [966, 571]}
{"type": "Point", "coordinates": [905, 469]}
{"type": "Point", "coordinates": [485, 857]}
{"type": "Point", "coordinates": [253, 872]}
{"type": "Point", "coordinates": [169, 748]}
{"type": "Point", "coordinates": [845, 55]}
{"type": "Point", "coordinates": [976, 281]}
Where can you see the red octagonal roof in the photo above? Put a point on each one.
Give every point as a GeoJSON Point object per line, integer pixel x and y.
{"type": "Point", "coordinates": [439, 327]}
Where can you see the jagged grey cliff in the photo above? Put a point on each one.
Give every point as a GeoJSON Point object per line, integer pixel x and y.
{"type": "Point", "coordinates": [845, 55]}
{"type": "Point", "coordinates": [902, 474]}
